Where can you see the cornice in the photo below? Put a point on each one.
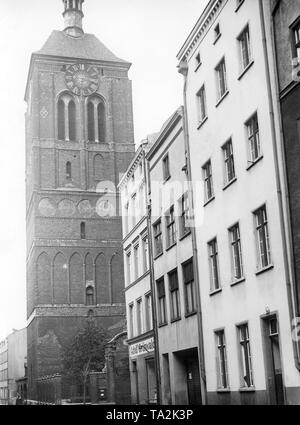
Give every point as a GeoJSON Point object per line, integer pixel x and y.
{"type": "Point", "coordinates": [201, 28]}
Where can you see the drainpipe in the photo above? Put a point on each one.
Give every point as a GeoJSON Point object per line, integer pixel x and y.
{"type": "Point", "coordinates": [152, 279]}
{"type": "Point", "coordinates": [290, 282]}
{"type": "Point", "coordinates": [183, 69]}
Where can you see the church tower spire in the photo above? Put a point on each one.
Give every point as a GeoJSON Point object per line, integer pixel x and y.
{"type": "Point", "coordinates": [73, 17]}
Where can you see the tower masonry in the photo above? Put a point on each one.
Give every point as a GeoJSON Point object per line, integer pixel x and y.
{"type": "Point", "coordinates": [79, 141]}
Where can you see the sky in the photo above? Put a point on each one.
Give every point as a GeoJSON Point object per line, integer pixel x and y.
{"type": "Point", "coordinates": [147, 33]}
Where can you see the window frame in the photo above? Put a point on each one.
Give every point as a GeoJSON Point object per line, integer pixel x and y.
{"type": "Point", "coordinates": [162, 304]}
{"type": "Point", "coordinates": [157, 236]}
{"type": "Point", "coordinates": [244, 39]}
{"type": "Point", "coordinates": [139, 316]}
{"type": "Point", "coordinates": [236, 244]}
{"type": "Point", "coordinates": [245, 357]}
{"type": "Point", "coordinates": [174, 295]}
{"type": "Point", "coordinates": [201, 105]}
{"type": "Point", "coordinates": [170, 222]}
{"type": "Point", "coordinates": [222, 85]}
{"type": "Point", "coordinates": [222, 360]}
{"type": "Point", "coordinates": [295, 45]}
{"type": "Point", "coordinates": [184, 215]}
{"type": "Point", "coordinates": [228, 158]}
{"type": "Point", "coordinates": [253, 133]}
{"type": "Point", "coordinates": [262, 228]}
{"type": "Point", "coordinates": [214, 268]}
{"type": "Point", "coordinates": [208, 181]}
{"type": "Point", "coordinates": [188, 280]}
{"type": "Point", "coordinates": [166, 167]}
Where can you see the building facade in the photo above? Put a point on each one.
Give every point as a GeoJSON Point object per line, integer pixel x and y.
{"type": "Point", "coordinates": [13, 357]}
{"type": "Point", "coordinates": [246, 296]}
{"type": "Point", "coordinates": [133, 190]}
{"type": "Point", "coordinates": [79, 139]}
{"type": "Point", "coordinates": [17, 361]}
{"type": "Point", "coordinates": [4, 372]}
{"type": "Point", "coordinates": [173, 267]}
{"type": "Point", "coordinates": [283, 35]}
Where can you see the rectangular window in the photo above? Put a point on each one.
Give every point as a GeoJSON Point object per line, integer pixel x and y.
{"type": "Point", "coordinates": [125, 220]}
{"type": "Point", "coordinates": [166, 168]}
{"type": "Point", "coordinates": [208, 181]}
{"type": "Point", "coordinates": [184, 215]}
{"type": "Point", "coordinates": [136, 261]}
{"type": "Point", "coordinates": [244, 46]}
{"type": "Point", "coordinates": [228, 162]}
{"type": "Point", "coordinates": [162, 313]}
{"type": "Point", "coordinates": [214, 265]}
{"type": "Point", "coordinates": [133, 210]}
{"type": "Point", "coordinates": [145, 254]}
{"type": "Point", "coordinates": [130, 316]}
{"type": "Point", "coordinates": [201, 105]}
{"type": "Point", "coordinates": [170, 227]}
{"type": "Point", "coordinates": [174, 295]}
{"type": "Point", "coordinates": [253, 139]}
{"type": "Point", "coordinates": [157, 232]}
{"type": "Point", "coordinates": [139, 316]}
{"type": "Point", "coordinates": [197, 61]}
{"type": "Point", "coordinates": [148, 308]}
{"type": "Point", "coordinates": [296, 39]}
{"type": "Point", "coordinates": [189, 287]}
{"type": "Point", "coordinates": [262, 237]}
{"type": "Point", "coordinates": [128, 267]}
{"type": "Point", "coordinates": [221, 360]}
{"type": "Point", "coordinates": [245, 357]}
{"type": "Point", "coordinates": [221, 79]}
{"type": "Point", "coordinates": [236, 252]}
{"type": "Point", "coordinates": [217, 32]}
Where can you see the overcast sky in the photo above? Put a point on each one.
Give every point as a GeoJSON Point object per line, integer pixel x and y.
{"type": "Point", "coordinates": [148, 33]}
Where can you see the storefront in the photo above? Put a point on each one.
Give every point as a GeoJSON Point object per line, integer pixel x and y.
{"type": "Point", "coordinates": [142, 370]}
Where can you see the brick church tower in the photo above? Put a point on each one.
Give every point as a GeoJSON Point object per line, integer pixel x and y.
{"type": "Point", "coordinates": [79, 140]}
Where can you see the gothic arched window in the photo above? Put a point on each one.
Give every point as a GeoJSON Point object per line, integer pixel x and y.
{"type": "Point", "coordinates": [89, 295]}
{"type": "Point", "coordinates": [68, 170]}
{"type": "Point", "coordinates": [96, 120]}
{"type": "Point", "coordinates": [66, 118]}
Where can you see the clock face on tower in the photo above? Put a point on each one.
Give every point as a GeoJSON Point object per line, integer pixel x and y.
{"type": "Point", "coordinates": [82, 79]}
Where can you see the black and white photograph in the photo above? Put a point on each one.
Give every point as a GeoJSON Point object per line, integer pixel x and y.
{"type": "Point", "coordinates": [150, 205]}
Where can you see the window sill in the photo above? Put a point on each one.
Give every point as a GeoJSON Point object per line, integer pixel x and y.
{"type": "Point", "coordinates": [217, 38]}
{"type": "Point", "coordinates": [230, 183]}
{"type": "Point", "coordinates": [222, 98]}
{"type": "Point", "coordinates": [162, 325]}
{"type": "Point", "coordinates": [198, 66]}
{"type": "Point", "coordinates": [265, 269]}
{"type": "Point", "coordinates": [171, 246]}
{"type": "Point", "coordinates": [217, 291]}
{"type": "Point", "coordinates": [245, 70]}
{"type": "Point", "coordinates": [238, 282]}
{"type": "Point", "coordinates": [187, 315]}
{"type": "Point", "coordinates": [201, 123]}
{"type": "Point", "coordinates": [247, 390]}
{"type": "Point", "coordinates": [254, 162]}
{"type": "Point", "coordinates": [209, 201]}
{"type": "Point", "coordinates": [185, 235]}
{"type": "Point", "coordinates": [175, 320]}
{"type": "Point", "coordinates": [240, 4]}
{"type": "Point", "coordinates": [158, 255]}
{"type": "Point", "coordinates": [223, 390]}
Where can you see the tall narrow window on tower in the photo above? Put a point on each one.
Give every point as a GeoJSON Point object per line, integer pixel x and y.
{"type": "Point", "coordinates": [68, 170]}
{"type": "Point", "coordinates": [96, 120]}
{"type": "Point", "coordinates": [66, 118]}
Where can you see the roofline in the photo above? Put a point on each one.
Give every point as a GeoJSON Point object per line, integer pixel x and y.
{"type": "Point", "coordinates": [194, 34]}
{"type": "Point", "coordinates": [173, 120]}
{"type": "Point", "coordinates": [131, 165]}
{"type": "Point", "coordinates": [37, 55]}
